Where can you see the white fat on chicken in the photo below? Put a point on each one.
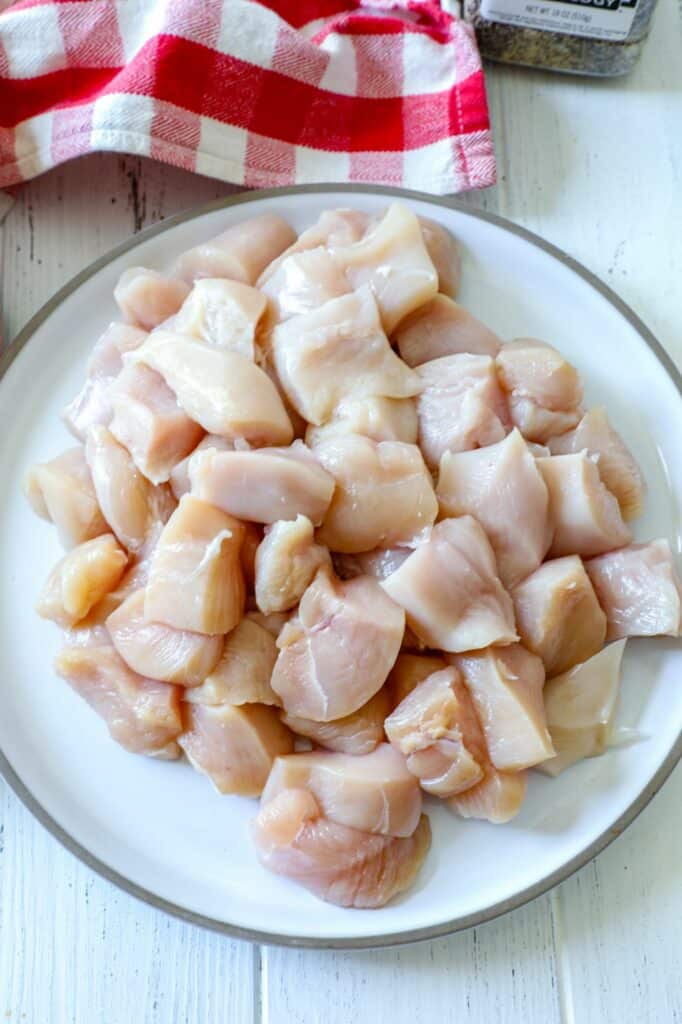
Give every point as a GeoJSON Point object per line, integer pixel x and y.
{"type": "Point", "coordinates": [584, 515]}
{"type": "Point", "coordinates": [303, 281]}
{"type": "Point", "coordinates": [340, 865]}
{"type": "Point", "coordinates": [558, 615]}
{"type": "Point", "coordinates": [580, 705]}
{"type": "Point", "coordinates": [81, 579]}
{"type": "Point", "coordinates": [450, 590]}
{"type": "Point", "coordinates": [240, 253]}
{"type": "Point", "coordinates": [196, 581]}
{"type": "Point", "coordinates": [264, 485]}
{"type": "Point", "coordinates": [147, 298]}
{"type": "Point", "coordinates": [379, 563]}
{"type": "Point", "coordinates": [381, 419]}
{"type": "Point", "coordinates": [444, 252]}
{"type": "Point", "coordinates": [335, 352]}
{"type": "Point", "coordinates": [544, 390]}
{"type": "Point", "coordinates": [179, 479]}
{"type": "Point", "coordinates": [222, 313]}
{"type": "Point", "coordinates": [615, 462]}
{"type": "Point", "coordinates": [384, 494]}
{"type": "Point", "coordinates": [287, 559]}
{"type": "Point", "coordinates": [639, 589]}
{"type": "Point", "coordinates": [460, 407]}
{"type": "Point", "coordinates": [502, 487]}
{"type": "Point", "coordinates": [62, 492]}
{"type": "Point", "coordinates": [409, 671]}
{"type": "Point", "coordinates": [358, 733]}
{"type": "Point", "coordinates": [242, 676]}
{"type": "Point", "coordinates": [440, 328]}
{"type": "Point", "coordinates": [338, 650]}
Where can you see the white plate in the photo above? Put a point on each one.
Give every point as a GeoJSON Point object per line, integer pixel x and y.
{"type": "Point", "coordinates": [158, 829]}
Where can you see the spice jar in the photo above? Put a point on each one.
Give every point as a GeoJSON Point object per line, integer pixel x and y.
{"type": "Point", "coordinates": [587, 37]}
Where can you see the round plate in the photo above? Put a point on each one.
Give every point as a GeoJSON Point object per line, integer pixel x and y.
{"type": "Point", "coordinates": [158, 829]}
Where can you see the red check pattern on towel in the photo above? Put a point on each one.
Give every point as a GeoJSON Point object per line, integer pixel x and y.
{"type": "Point", "coordinates": [258, 93]}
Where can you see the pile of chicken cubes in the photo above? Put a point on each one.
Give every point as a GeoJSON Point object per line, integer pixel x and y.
{"type": "Point", "coordinates": [334, 542]}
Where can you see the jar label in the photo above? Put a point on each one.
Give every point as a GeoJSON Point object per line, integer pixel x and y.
{"type": "Point", "coordinates": [609, 20]}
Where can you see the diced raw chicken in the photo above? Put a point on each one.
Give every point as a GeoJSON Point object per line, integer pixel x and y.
{"type": "Point", "coordinates": [147, 298]}
{"type": "Point", "coordinates": [580, 706]}
{"type": "Point", "coordinates": [337, 652]}
{"type": "Point", "coordinates": [384, 494]}
{"type": "Point", "coordinates": [381, 419]}
{"type": "Point", "coordinates": [264, 485]}
{"type": "Point", "coordinates": [332, 229]}
{"type": "Point", "coordinates": [132, 506]}
{"type": "Point", "coordinates": [242, 676]}
{"type": "Point", "coordinates": [220, 389]}
{"type": "Point", "coordinates": [92, 404]}
{"type": "Point", "coordinates": [444, 253]}
{"type": "Point", "coordinates": [460, 407]}
{"type": "Point", "coordinates": [80, 579]}
{"type": "Point", "coordinates": [617, 467]}
{"type": "Point", "coordinates": [303, 281]}
{"type": "Point", "coordinates": [240, 253]}
{"type": "Point", "coordinates": [62, 492]}
{"type": "Point", "coordinates": [557, 614]}
{"type": "Point", "coordinates": [432, 727]}
{"type": "Point", "coordinates": [545, 391]}
{"type": "Point", "coordinates": [440, 328]}
{"type": "Point", "coordinates": [506, 686]}
{"type": "Point", "coordinates": [502, 487]}
{"type": "Point", "coordinates": [143, 715]}
{"type": "Point", "coordinates": [496, 798]}
{"type": "Point", "coordinates": [159, 651]}
{"type": "Point", "coordinates": [372, 792]}
{"type": "Point", "coordinates": [179, 478]}
{"type": "Point", "coordinates": [379, 563]}
{"type": "Point", "coordinates": [392, 259]}
{"type": "Point", "coordinates": [149, 422]}
{"type": "Point", "coordinates": [222, 313]}
{"type": "Point", "coordinates": [286, 562]}
{"type": "Point", "coordinates": [274, 622]}
{"type": "Point", "coordinates": [338, 864]}
{"type": "Point", "coordinates": [133, 579]}
{"type": "Point", "coordinates": [358, 733]}
{"type": "Point", "coordinates": [234, 746]}
{"type": "Point", "coordinates": [583, 514]}
{"type": "Point", "coordinates": [253, 535]}
{"type": "Point", "coordinates": [639, 589]}
{"type": "Point", "coordinates": [195, 578]}
{"type": "Point", "coordinates": [409, 671]}
{"type": "Point", "coordinates": [451, 592]}
{"type": "Point", "coordinates": [336, 352]}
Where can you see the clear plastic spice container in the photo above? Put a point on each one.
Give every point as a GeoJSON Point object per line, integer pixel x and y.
{"type": "Point", "coordinates": [585, 37]}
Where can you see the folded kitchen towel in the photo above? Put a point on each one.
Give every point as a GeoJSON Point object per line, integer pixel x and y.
{"type": "Point", "coordinates": [258, 93]}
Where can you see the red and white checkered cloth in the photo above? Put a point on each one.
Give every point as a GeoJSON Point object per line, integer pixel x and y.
{"type": "Point", "coordinates": [258, 93]}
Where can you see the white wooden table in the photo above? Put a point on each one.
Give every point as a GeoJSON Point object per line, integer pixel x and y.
{"type": "Point", "coordinates": [595, 167]}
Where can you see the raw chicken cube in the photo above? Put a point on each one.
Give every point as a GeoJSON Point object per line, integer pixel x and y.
{"type": "Point", "coordinates": [451, 592]}
{"type": "Point", "coordinates": [580, 706]}
{"type": "Point", "coordinates": [302, 282]}
{"type": "Point", "coordinates": [234, 746]}
{"type": "Point", "coordinates": [133, 507]}
{"type": "Point", "coordinates": [336, 352]}
{"type": "Point", "coordinates": [287, 559]}
{"type": "Point", "coordinates": [195, 578]}
{"type": "Point", "coordinates": [338, 864]}
{"type": "Point", "coordinates": [616, 464]}
{"type": "Point", "coordinates": [639, 589]}
{"type": "Point", "coordinates": [460, 407]}
{"type": "Point", "coordinates": [337, 652]}
{"type": "Point", "coordinates": [392, 259]}
{"type": "Point", "coordinates": [379, 563]}
{"type": "Point", "coordinates": [143, 715]}
{"type": "Point", "coordinates": [372, 792]}
{"type": "Point", "coordinates": [384, 494]}
{"type": "Point", "coordinates": [444, 253]}
{"type": "Point", "coordinates": [409, 671]}
{"type": "Point", "coordinates": [332, 228]}
{"type": "Point", "coordinates": [440, 328]}
{"type": "Point", "coordinates": [506, 686]}
{"type": "Point", "coordinates": [220, 389]}
{"type": "Point", "coordinates": [149, 422]}
{"type": "Point", "coordinates": [80, 579]}
{"type": "Point", "coordinates": [496, 798]}
{"type": "Point", "coordinates": [147, 298]}
{"type": "Point", "coordinates": [431, 727]}
{"type": "Point", "coordinates": [545, 391]}
{"type": "Point", "coordinates": [179, 478]}
{"type": "Point", "coordinates": [62, 492]}
{"type": "Point", "coordinates": [159, 651]}
{"type": "Point", "coordinates": [240, 253]}
{"type": "Point", "coordinates": [381, 419]}
{"type": "Point", "coordinates": [265, 485]}
{"type": "Point", "coordinates": [242, 676]}
{"type": "Point", "coordinates": [222, 313]}
{"type": "Point", "coordinates": [558, 616]}
{"type": "Point", "coordinates": [358, 733]}
{"type": "Point", "coordinates": [503, 488]}
{"type": "Point", "coordinates": [583, 514]}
